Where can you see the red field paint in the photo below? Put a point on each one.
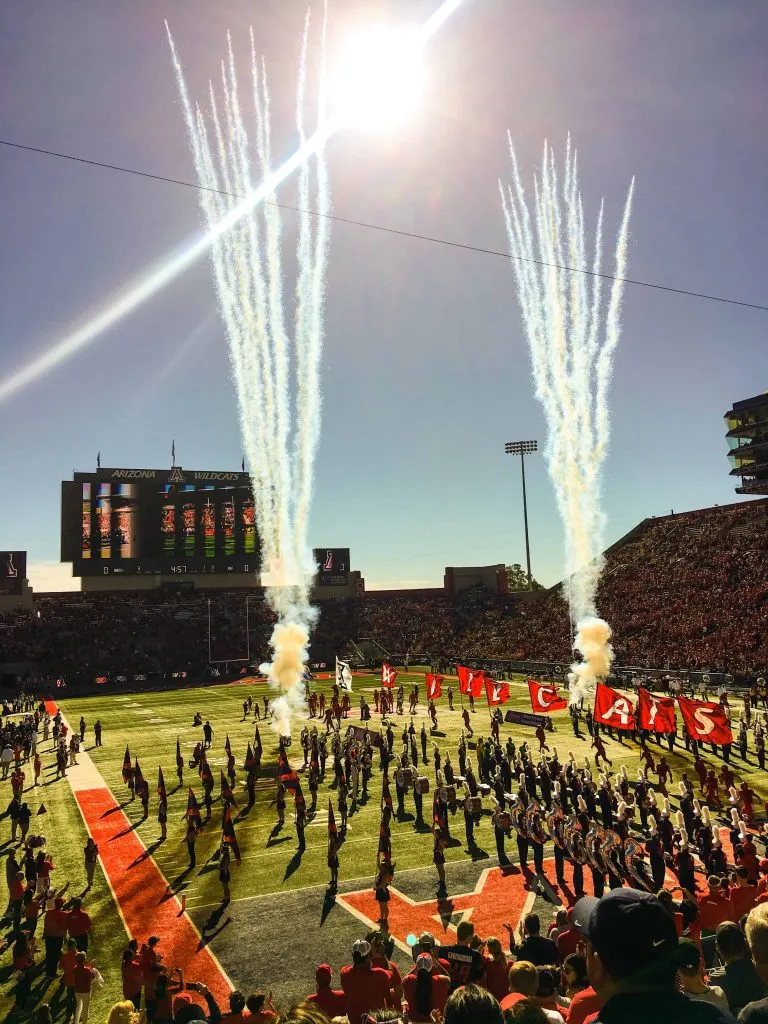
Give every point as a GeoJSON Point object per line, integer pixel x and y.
{"type": "Point", "coordinates": [140, 888]}
{"type": "Point", "coordinates": [499, 897]}
{"type": "Point", "coordinates": [51, 707]}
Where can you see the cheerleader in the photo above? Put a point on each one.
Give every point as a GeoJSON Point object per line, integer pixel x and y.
{"type": "Point", "coordinates": [333, 862]}
{"type": "Point", "coordinates": [381, 891]}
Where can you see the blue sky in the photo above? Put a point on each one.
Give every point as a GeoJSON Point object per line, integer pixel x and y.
{"type": "Point", "coordinates": [426, 370]}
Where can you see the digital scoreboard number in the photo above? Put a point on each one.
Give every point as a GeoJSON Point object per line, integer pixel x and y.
{"type": "Point", "coordinates": [332, 566]}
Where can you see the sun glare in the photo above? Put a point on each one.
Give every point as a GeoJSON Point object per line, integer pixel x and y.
{"type": "Point", "coordinates": [378, 78]}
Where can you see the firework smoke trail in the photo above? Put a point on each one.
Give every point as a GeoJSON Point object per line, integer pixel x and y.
{"type": "Point", "coordinates": [572, 335]}
{"type": "Point", "coordinates": [280, 435]}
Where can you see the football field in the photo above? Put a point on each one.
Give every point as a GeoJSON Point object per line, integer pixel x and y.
{"type": "Point", "coordinates": [281, 921]}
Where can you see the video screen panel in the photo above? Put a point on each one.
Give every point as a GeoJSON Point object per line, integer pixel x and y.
{"type": "Point", "coordinates": [134, 521]}
{"type": "Point", "coordinates": [13, 572]}
{"type": "Point", "coordinates": [333, 566]}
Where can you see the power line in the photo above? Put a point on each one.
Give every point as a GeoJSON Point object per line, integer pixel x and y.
{"type": "Point", "coordinates": [385, 230]}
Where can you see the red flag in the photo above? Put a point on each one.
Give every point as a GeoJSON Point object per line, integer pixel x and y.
{"type": "Point", "coordinates": [470, 680]}
{"type": "Point", "coordinates": [705, 721]}
{"type": "Point", "coordinates": [127, 769]}
{"type": "Point", "coordinates": [137, 773]}
{"type": "Point", "coordinates": [613, 708]}
{"type": "Point", "coordinates": [388, 675]}
{"type": "Point", "coordinates": [497, 693]}
{"type": "Point", "coordinates": [227, 746]}
{"type": "Point", "coordinates": [228, 834]}
{"type": "Point", "coordinates": [227, 796]}
{"type": "Point", "coordinates": [257, 740]}
{"type": "Point", "coordinates": [179, 758]}
{"type": "Point", "coordinates": [161, 784]}
{"type": "Point", "coordinates": [285, 773]}
{"type": "Point", "coordinates": [434, 685]}
{"type": "Point", "coordinates": [332, 830]}
{"type": "Point", "coordinates": [193, 810]}
{"type": "Point", "coordinates": [655, 714]}
{"type": "Point", "coordinates": [250, 760]}
{"type": "Point", "coordinates": [545, 697]}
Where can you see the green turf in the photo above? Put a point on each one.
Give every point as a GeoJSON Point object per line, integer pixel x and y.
{"type": "Point", "coordinates": [269, 863]}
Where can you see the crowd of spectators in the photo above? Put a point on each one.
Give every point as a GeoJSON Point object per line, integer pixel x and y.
{"type": "Point", "coordinates": [682, 591]}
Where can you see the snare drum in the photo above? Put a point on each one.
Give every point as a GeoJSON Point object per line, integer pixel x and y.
{"type": "Point", "coordinates": [422, 784]}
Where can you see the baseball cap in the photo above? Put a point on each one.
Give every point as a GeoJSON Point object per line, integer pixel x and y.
{"type": "Point", "coordinates": [424, 962]}
{"type": "Point", "coordinates": [362, 948]}
{"type": "Point", "coordinates": [630, 930]}
{"type": "Point", "coordinates": [689, 957]}
{"type": "Point", "coordinates": [323, 974]}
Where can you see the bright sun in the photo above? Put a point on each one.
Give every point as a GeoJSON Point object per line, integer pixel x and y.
{"type": "Point", "coordinates": [378, 78]}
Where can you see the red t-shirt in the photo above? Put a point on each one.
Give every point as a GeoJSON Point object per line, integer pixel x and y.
{"type": "Point", "coordinates": [713, 910]}
{"type": "Point", "coordinates": [496, 977]}
{"type": "Point", "coordinates": [133, 978]}
{"type": "Point", "coordinates": [79, 923]}
{"type": "Point", "coordinates": [331, 1001]}
{"type": "Point", "coordinates": [83, 978]}
{"type": "Point", "coordinates": [742, 898]}
{"type": "Point", "coordinates": [568, 942]}
{"type": "Point", "coordinates": [441, 987]}
{"type": "Point", "coordinates": [366, 988]}
{"type": "Point", "coordinates": [67, 965]}
{"type": "Point", "coordinates": [584, 1004]}
{"type": "Point", "coordinates": [16, 890]}
{"type": "Point", "coordinates": [55, 923]}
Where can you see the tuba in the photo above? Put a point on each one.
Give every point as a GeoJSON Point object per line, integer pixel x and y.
{"type": "Point", "coordinates": [633, 857]}
{"type": "Point", "coordinates": [534, 823]}
{"type": "Point", "coordinates": [555, 825]}
{"type": "Point", "coordinates": [520, 821]}
{"type": "Point", "coordinates": [611, 842]}
{"type": "Point", "coordinates": [593, 842]}
{"type": "Point", "coordinates": [573, 838]}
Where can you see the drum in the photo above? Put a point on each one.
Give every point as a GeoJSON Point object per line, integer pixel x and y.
{"type": "Point", "coordinates": [422, 784]}
{"type": "Point", "coordinates": [450, 794]}
{"type": "Point", "coordinates": [484, 788]}
{"type": "Point", "coordinates": [505, 820]}
{"type": "Point", "coordinates": [475, 806]}
{"type": "Point", "coordinates": [459, 780]}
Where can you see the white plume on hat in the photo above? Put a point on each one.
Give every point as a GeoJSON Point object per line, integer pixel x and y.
{"type": "Point", "coordinates": [697, 807]}
{"type": "Point", "coordinates": [624, 771]}
{"type": "Point", "coordinates": [743, 830]}
{"type": "Point", "coordinates": [735, 817]}
{"type": "Point", "coordinates": [641, 774]}
{"type": "Point", "coordinates": [733, 797]}
{"type": "Point", "coordinates": [622, 809]}
{"type": "Point", "coordinates": [582, 803]}
{"type": "Point", "coordinates": [652, 796]}
{"type": "Point", "coordinates": [716, 836]}
{"type": "Point", "coordinates": [681, 789]}
{"type": "Point", "coordinates": [705, 815]}
{"type": "Point", "coordinates": [680, 820]}
{"type": "Point", "coordinates": [653, 824]}
{"type": "Point", "coordinates": [683, 839]}
{"type": "Point", "coordinates": [667, 809]}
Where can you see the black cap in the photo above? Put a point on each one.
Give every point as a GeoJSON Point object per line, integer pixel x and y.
{"type": "Point", "coordinates": [630, 930]}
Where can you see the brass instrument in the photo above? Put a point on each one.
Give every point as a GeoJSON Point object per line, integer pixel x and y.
{"type": "Point", "coordinates": [573, 838]}
{"type": "Point", "coordinates": [611, 842]}
{"type": "Point", "coordinates": [534, 823]}
{"type": "Point", "coordinates": [593, 842]}
{"type": "Point", "coordinates": [520, 821]}
{"type": "Point", "coordinates": [555, 825]}
{"type": "Point", "coordinates": [634, 851]}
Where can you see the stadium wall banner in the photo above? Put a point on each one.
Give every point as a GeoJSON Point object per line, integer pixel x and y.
{"type": "Point", "coordinates": [528, 718]}
{"type": "Point", "coordinates": [359, 734]}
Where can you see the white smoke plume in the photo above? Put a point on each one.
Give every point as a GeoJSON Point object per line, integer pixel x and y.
{"type": "Point", "coordinates": [275, 365]}
{"type": "Point", "coordinates": [572, 335]}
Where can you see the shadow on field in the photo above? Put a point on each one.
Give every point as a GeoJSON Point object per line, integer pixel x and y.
{"type": "Point", "coordinates": [293, 864]}
{"type": "Point", "coordinates": [146, 855]}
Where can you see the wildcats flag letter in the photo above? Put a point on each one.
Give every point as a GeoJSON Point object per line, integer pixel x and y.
{"type": "Point", "coordinates": [705, 721]}
{"type": "Point", "coordinates": [343, 675]}
{"type": "Point", "coordinates": [655, 714]}
{"type": "Point", "coordinates": [388, 675]}
{"type": "Point", "coordinates": [434, 685]}
{"type": "Point", "coordinates": [497, 693]}
{"type": "Point", "coordinates": [470, 680]}
{"type": "Point", "coordinates": [613, 708]}
{"type": "Point", "coordinates": [545, 698]}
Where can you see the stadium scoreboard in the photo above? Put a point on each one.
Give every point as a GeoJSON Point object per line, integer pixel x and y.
{"type": "Point", "coordinates": [332, 566]}
{"type": "Point", "coordinates": [172, 521]}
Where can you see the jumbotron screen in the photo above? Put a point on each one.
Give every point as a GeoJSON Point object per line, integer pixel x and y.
{"type": "Point", "coordinates": [171, 521]}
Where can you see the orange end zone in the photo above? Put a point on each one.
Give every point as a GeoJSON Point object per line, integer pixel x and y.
{"type": "Point", "coordinates": [140, 890]}
{"type": "Point", "coordinates": [51, 707]}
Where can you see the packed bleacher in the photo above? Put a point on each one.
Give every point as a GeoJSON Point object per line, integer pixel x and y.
{"type": "Point", "coordinates": [683, 591]}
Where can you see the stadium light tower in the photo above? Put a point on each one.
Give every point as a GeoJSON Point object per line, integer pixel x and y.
{"type": "Point", "coordinates": [523, 448]}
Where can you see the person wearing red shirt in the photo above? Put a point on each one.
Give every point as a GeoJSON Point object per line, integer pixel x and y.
{"type": "Point", "coordinates": [495, 969]}
{"type": "Point", "coordinates": [79, 925]}
{"type": "Point", "coordinates": [16, 897]}
{"type": "Point", "coordinates": [568, 942]}
{"type": "Point", "coordinates": [23, 964]}
{"type": "Point", "coordinates": [331, 1001]}
{"type": "Point", "coordinates": [379, 959]}
{"type": "Point", "coordinates": [741, 894]}
{"type": "Point", "coordinates": [85, 978]}
{"type": "Point", "coordinates": [365, 986]}
{"type": "Point", "coordinates": [133, 978]}
{"type": "Point", "coordinates": [260, 1008]}
{"type": "Point", "coordinates": [67, 967]}
{"type": "Point", "coordinates": [426, 989]}
{"type": "Point", "coordinates": [236, 1007]}
{"type": "Point", "coordinates": [54, 930]}
{"type": "Point", "coordinates": [583, 1005]}
{"type": "Point", "coordinates": [714, 906]}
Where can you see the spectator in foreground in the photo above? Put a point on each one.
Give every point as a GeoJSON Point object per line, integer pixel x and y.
{"type": "Point", "coordinates": [260, 1008]}
{"type": "Point", "coordinates": [524, 986]}
{"type": "Point", "coordinates": [691, 975]}
{"type": "Point", "coordinates": [426, 989]}
{"type": "Point", "coordinates": [86, 976]}
{"type": "Point", "coordinates": [632, 961]}
{"type": "Point", "coordinates": [738, 978]}
{"type": "Point", "coordinates": [756, 1012]}
{"type": "Point", "coordinates": [331, 1001]}
{"type": "Point", "coordinates": [366, 987]}
{"type": "Point", "coordinates": [533, 947]}
{"type": "Point", "coordinates": [471, 1004]}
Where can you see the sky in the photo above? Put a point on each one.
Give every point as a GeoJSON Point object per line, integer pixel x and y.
{"type": "Point", "coordinates": [426, 371]}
